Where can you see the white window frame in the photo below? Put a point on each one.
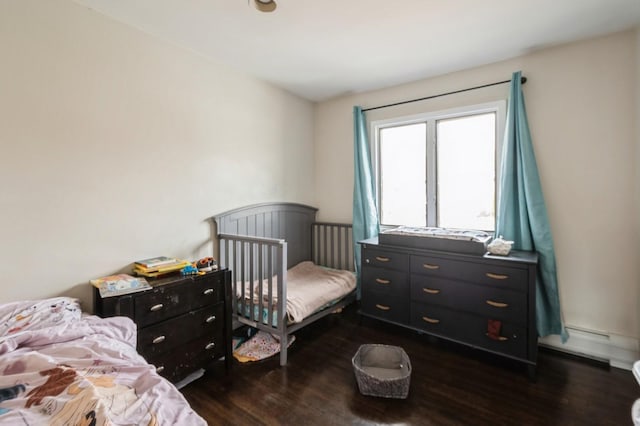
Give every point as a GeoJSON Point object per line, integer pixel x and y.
{"type": "Point", "coordinates": [498, 107]}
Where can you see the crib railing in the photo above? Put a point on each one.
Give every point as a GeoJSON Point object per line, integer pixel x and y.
{"type": "Point", "coordinates": [262, 261]}
{"type": "Point", "coordinates": [332, 245]}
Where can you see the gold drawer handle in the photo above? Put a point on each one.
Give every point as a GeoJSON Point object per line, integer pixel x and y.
{"type": "Point", "coordinates": [429, 266]}
{"type": "Point", "coordinates": [158, 339]}
{"type": "Point", "coordinates": [382, 307]}
{"type": "Point", "coordinates": [430, 290]}
{"type": "Point", "coordinates": [500, 338]}
{"type": "Point", "coordinates": [212, 318]}
{"type": "Point", "coordinates": [160, 369]}
{"type": "Point", "coordinates": [430, 320]}
{"type": "Point", "coordinates": [496, 304]}
{"type": "Point", "coordinates": [382, 259]}
{"type": "Point", "coordinates": [210, 346]}
{"type": "Point", "coordinates": [381, 281]}
{"type": "Point", "coordinates": [156, 307]}
{"type": "Point", "coordinates": [497, 276]}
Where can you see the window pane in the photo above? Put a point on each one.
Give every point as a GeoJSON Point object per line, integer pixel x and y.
{"type": "Point", "coordinates": [466, 172]}
{"type": "Point", "coordinates": [403, 192]}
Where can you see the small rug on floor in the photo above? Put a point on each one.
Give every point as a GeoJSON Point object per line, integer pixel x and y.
{"type": "Point", "coordinates": [261, 346]}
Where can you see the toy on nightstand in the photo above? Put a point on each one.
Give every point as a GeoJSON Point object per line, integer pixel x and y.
{"type": "Point", "coordinates": [189, 270]}
{"type": "Point", "coordinates": [207, 264]}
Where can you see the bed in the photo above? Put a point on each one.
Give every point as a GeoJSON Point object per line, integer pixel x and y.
{"type": "Point", "coordinates": [287, 269]}
{"type": "Point", "coordinates": [61, 366]}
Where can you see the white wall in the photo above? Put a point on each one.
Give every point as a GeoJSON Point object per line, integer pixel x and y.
{"type": "Point", "coordinates": [117, 146]}
{"type": "Point", "coordinates": [582, 104]}
{"type": "Point", "coordinates": [637, 157]}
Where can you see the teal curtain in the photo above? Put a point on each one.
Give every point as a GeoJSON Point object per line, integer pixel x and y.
{"type": "Point", "coordinates": [522, 215]}
{"type": "Point", "coordinates": [365, 212]}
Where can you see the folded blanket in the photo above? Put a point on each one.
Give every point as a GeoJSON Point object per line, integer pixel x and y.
{"type": "Point", "coordinates": [261, 346]}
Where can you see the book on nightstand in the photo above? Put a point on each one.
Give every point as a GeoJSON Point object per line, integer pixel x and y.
{"type": "Point", "coordinates": [158, 270]}
{"type": "Point", "coordinates": [154, 262]}
{"type": "Point", "coordinates": [119, 284]}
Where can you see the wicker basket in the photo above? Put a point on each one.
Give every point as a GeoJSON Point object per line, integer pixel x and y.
{"type": "Point", "coordinates": [382, 370]}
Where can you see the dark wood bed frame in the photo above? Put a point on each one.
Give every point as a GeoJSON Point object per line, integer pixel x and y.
{"type": "Point", "coordinates": [261, 242]}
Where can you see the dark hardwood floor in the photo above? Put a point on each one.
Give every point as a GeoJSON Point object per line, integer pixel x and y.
{"type": "Point", "coordinates": [450, 385]}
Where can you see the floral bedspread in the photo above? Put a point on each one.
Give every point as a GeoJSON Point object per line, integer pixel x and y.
{"type": "Point", "coordinates": [59, 366]}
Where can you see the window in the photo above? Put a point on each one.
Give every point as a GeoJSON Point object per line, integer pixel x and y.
{"type": "Point", "coordinates": [440, 169]}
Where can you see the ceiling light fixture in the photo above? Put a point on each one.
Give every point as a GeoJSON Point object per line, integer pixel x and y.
{"type": "Point", "coordinates": [264, 5]}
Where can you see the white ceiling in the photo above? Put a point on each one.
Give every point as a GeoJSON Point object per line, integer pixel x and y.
{"type": "Point", "coordinates": [324, 48]}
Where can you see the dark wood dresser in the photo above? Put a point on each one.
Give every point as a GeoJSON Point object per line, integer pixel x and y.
{"type": "Point", "coordinates": [487, 302]}
{"type": "Point", "coordinates": [184, 322]}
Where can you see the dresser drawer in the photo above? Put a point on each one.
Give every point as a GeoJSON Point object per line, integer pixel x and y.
{"type": "Point", "coordinates": [513, 338]}
{"type": "Point", "coordinates": [384, 281]}
{"type": "Point", "coordinates": [171, 334]}
{"type": "Point", "coordinates": [206, 290]}
{"type": "Point", "coordinates": [434, 290]}
{"type": "Point", "coordinates": [437, 320]}
{"type": "Point", "coordinates": [161, 303]}
{"type": "Point", "coordinates": [168, 301]}
{"type": "Point", "coordinates": [385, 259]}
{"type": "Point", "coordinates": [183, 361]}
{"type": "Point", "coordinates": [495, 303]}
{"type": "Point", "coordinates": [469, 329]}
{"type": "Point", "coordinates": [493, 274]}
{"type": "Point", "coordinates": [386, 307]}
{"type": "Point", "coordinates": [496, 275]}
{"type": "Point", "coordinates": [207, 348]}
{"type": "Point", "coordinates": [436, 266]}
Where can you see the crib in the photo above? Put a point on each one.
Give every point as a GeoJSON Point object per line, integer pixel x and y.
{"type": "Point", "coordinates": [260, 243]}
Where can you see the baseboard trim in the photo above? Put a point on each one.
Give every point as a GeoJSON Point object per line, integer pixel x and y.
{"type": "Point", "coordinates": [617, 351]}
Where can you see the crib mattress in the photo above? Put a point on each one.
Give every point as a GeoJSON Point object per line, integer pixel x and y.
{"type": "Point", "coordinates": [309, 289]}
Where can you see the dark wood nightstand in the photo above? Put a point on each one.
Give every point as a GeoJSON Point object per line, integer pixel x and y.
{"type": "Point", "coordinates": [184, 322]}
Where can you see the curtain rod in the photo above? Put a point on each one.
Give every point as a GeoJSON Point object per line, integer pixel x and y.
{"type": "Point", "coordinates": [523, 80]}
